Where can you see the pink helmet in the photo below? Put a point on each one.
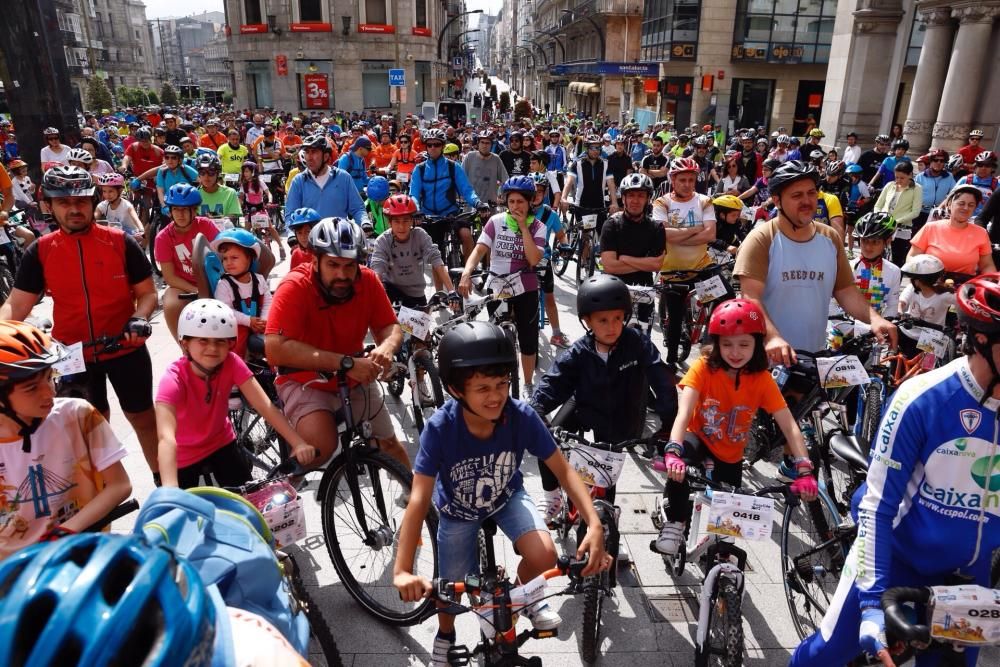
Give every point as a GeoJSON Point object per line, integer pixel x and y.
{"type": "Point", "coordinates": [110, 180]}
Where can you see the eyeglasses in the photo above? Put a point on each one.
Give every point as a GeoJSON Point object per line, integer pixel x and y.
{"type": "Point", "coordinates": [434, 145]}
{"type": "Point", "coordinates": [172, 157]}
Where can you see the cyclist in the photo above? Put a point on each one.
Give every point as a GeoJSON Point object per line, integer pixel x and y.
{"type": "Point", "coordinates": [140, 157]}
{"type": "Point", "coordinates": [935, 182]}
{"type": "Point", "coordinates": [301, 222]}
{"type": "Point", "coordinates": [707, 176]}
{"type": "Point", "coordinates": [241, 286]}
{"type": "Point", "coordinates": [871, 160]}
{"type": "Point", "coordinates": [403, 160]}
{"type": "Point", "coordinates": [514, 158]}
{"type": "Point", "coordinates": [381, 155]}
{"type": "Point", "coordinates": [902, 198]}
{"type": "Point", "coordinates": [173, 249]}
{"type": "Point", "coordinates": [729, 228]}
{"type": "Point", "coordinates": [323, 187]}
{"type": "Point", "coordinates": [101, 285]}
{"type": "Point", "coordinates": [607, 373]}
{"type": "Point", "coordinates": [983, 177]}
{"type": "Point", "coordinates": [212, 138]}
{"type": "Point", "coordinates": [927, 297]}
{"type": "Point", "coordinates": [232, 155]}
{"type": "Point", "coordinates": [963, 246]}
{"type": "Point", "coordinates": [355, 162]}
{"type": "Point", "coordinates": [689, 221]}
{"type": "Point", "coordinates": [73, 439]}
{"type": "Point", "coordinates": [654, 164]}
{"type": "Point", "coordinates": [168, 174]}
{"type": "Point", "coordinates": [217, 200]}
{"type": "Point", "coordinates": [268, 152]}
{"type": "Point", "coordinates": [722, 392]}
{"type": "Point", "coordinates": [969, 151]}
{"type": "Point", "coordinates": [791, 267]}
{"type": "Point", "coordinates": [553, 229]}
{"type": "Point", "coordinates": [924, 512]}
{"type": "Point", "coordinates": [320, 315]}
{"type": "Point", "coordinates": [590, 182]}
{"type": "Point", "coordinates": [877, 278]}
{"type": "Point", "coordinates": [888, 165]}
{"type": "Point", "coordinates": [114, 209]}
{"type": "Point", "coordinates": [485, 171]}
{"type": "Point", "coordinates": [53, 150]}
{"type": "Point", "coordinates": [469, 462]}
{"type": "Point", "coordinates": [632, 243]}
{"type": "Point", "coordinates": [515, 241]}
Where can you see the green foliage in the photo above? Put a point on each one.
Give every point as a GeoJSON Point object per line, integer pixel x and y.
{"type": "Point", "coordinates": [522, 109]}
{"type": "Point", "coordinates": [153, 97]}
{"type": "Point", "coordinates": [493, 91]}
{"type": "Point", "coordinates": [168, 95]}
{"type": "Point", "coordinates": [504, 102]}
{"type": "Point", "coordinates": [98, 95]}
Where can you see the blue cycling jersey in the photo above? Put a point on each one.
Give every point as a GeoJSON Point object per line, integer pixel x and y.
{"type": "Point", "coordinates": [168, 177]}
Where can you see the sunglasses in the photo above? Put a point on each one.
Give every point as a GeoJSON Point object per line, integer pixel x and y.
{"type": "Point", "coordinates": [938, 159]}
{"type": "Point", "coordinates": [208, 172]}
{"type": "Point", "coordinates": [404, 141]}
{"type": "Point", "coordinates": [434, 145]}
{"type": "Point", "coordinates": [172, 157]}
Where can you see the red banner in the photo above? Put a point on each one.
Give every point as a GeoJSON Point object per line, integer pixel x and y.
{"type": "Point", "coordinates": [310, 27]}
{"type": "Point", "coordinates": [422, 32]}
{"type": "Point", "coordinates": [281, 65]}
{"type": "Point", "coordinates": [650, 85]}
{"type": "Point", "coordinates": [379, 28]}
{"type": "Point", "coordinates": [253, 28]}
{"type": "Point", "coordinates": [317, 91]}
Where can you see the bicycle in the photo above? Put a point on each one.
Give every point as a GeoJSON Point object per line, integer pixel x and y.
{"type": "Point", "coordinates": [492, 593]}
{"type": "Point", "coordinates": [599, 465]}
{"type": "Point", "coordinates": [560, 259]}
{"type": "Point", "coordinates": [257, 439]}
{"type": "Point", "coordinates": [587, 248]}
{"type": "Point", "coordinates": [701, 290]}
{"type": "Point", "coordinates": [719, 637]}
{"type": "Point", "coordinates": [451, 245]}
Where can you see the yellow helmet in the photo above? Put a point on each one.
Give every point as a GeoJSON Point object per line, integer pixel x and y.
{"type": "Point", "coordinates": [450, 149]}
{"type": "Point", "coordinates": [816, 132]}
{"type": "Point", "coordinates": [731, 202]}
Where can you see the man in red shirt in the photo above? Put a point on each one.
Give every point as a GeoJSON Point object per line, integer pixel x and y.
{"type": "Point", "coordinates": [972, 149]}
{"type": "Point", "coordinates": [318, 321]}
{"type": "Point", "coordinates": [142, 156]}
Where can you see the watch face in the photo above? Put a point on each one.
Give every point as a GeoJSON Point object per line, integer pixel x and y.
{"type": "Point", "coordinates": [347, 363]}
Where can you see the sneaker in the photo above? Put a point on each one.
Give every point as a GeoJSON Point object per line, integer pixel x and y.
{"type": "Point", "coordinates": [550, 505]}
{"type": "Point", "coordinates": [671, 538]}
{"type": "Point", "coordinates": [439, 653]}
{"type": "Point", "coordinates": [528, 391]}
{"type": "Point", "coordinates": [542, 616]}
{"type": "Point", "coordinates": [786, 471]}
{"type": "Point", "coordinates": [559, 340]}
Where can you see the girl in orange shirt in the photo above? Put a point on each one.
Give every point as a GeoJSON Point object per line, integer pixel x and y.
{"type": "Point", "coordinates": [722, 392]}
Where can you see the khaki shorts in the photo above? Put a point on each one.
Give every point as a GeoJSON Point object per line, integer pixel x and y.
{"type": "Point", "coordinates": [367, 402]}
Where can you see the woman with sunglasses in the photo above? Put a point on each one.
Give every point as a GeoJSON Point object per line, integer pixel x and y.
{"type": "Point", "coordinates": [403, 161]}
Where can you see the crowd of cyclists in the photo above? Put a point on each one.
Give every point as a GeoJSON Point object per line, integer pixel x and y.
{"type": "Point", "coordinates": [370, 204]}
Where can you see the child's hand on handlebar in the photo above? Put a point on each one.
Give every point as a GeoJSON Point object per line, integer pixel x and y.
{"type": "Point", "coordinates": [304, 453]}
{"type": "Point", "coordinates": [592, 544]}
{"type": "Point", "coordinates": [412, 588]}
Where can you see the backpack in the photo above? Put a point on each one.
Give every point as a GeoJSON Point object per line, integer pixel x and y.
{"type": "Point", "coordinates": [452, 194]}
{"type": "Point", "coordinates": [227, 540]}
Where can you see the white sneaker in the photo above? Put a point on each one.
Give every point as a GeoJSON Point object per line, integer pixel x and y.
{"type": "Point", "coordinates": [671, 538]}
{"type": "Point", "coordinates": [527, 391]}
{"type": "Point", "coordinates": [543, 617]}
{"type": "Point", "coordinates": [550, 505]}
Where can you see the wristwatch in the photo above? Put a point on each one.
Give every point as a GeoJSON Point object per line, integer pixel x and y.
{"type": "Point", "coordinates": [346, 362]}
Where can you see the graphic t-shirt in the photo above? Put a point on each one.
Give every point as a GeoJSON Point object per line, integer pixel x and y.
{"type": "Point", "coordinates": [475, 477]}
{"type": "Point", "coordinates": [202, 406]}
{"type": "Point", "coordinates": [933, 308]}
{"type": "Point", "coordinates": [958, 249]}
{"type": "Point", "coordinates": [220, 203]}
{"type": "Point", "coordinates": [879, 282]}
{"type": "Point", "coordinates": [723, 414]}
{"type": "Point", "coordinates": [58, 477]}
{"type": "Point", "coordinates": [690, 214]}
{"type": "Point", "coordinates": [176, 249]}
{"type": "Point", "coordinates": [507, 253]}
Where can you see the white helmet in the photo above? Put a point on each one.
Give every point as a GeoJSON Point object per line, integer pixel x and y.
{"type": "Point", "coordinates": [206, 318]}
{"type": "Point", "coordinates": [923, 265]}
{"type": "Point", "coordinates": [80, 155]}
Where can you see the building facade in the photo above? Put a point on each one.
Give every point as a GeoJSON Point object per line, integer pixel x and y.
{"type": "Point", "coordinates": [193, 50]}
{"type": "Point", "coordinates": [315, 55]}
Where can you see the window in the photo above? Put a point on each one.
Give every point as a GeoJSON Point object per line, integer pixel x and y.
{"type": "Point", "coordinates": [783, 31]}
{"type": "Point", "coordinates": [251, 12]}
{"type": "Point", "coordinates": [375, 11]}
{"type": "Point", "coordinates": [670, 30]}
{"type": "Point", "coordinates": [420, 8]}
{"type": "Point", "coordinates": [100, 26]}
{"type": "Point", "coordinates": [916, 39]}
{"type": "Point", "coordinates": [375, 83]}
{"type": "Point", "coordinates": [310, 11]}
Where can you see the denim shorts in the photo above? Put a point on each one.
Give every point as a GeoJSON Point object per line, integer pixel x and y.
{"type": "Point", "coordinates": [458, 546]}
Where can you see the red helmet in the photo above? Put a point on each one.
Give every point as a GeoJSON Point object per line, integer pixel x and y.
{"type": "Point", "coordinates": [399, 205]}
{"type": "Point", "coordinates": [979, 303]}
{"type": "Point", "coordinates": [736, 317]}
{"type": "Point", "coordinates": [681, 165]}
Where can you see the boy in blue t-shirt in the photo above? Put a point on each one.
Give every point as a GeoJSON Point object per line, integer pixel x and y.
{"type": "Point", "coordinates": [470, 462]}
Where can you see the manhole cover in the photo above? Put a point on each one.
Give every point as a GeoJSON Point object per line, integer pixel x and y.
{"type": "Point", "coordinates": [673, 607]}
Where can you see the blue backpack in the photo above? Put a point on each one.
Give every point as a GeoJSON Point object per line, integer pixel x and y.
{"type": "Point", "coordinates": [227, 540]}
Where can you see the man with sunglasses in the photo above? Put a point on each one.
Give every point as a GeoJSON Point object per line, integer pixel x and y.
{"type": "Point", "coordinates": [971, 149]}
{"type": "Point", "coordinates": [936, 182]}
{"type": "Point", "coordinates": [217, 200]}
{"type": "Point", "coordinates": [515, 159]}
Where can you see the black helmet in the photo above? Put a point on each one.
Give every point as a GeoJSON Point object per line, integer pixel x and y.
{"type": "Point", "coordinates": [789, 172]}
{"type": "Point", "coordinates": [316, 141]}
{"type": "Point", "coordinates": [603, 292]}
{"type": "Point", "coordinates": [471, 345]}
{"type": "Point", "coordinates": [901, 143]}
{"type": "Point", "coordinates": [208, 161]}
{"type": "Point", "coordinates": [875, 225]}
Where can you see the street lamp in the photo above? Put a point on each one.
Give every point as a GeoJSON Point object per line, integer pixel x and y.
{"type": "Point", "coordinates": [445, 28]}
{"type": "Point", "coordinates": [597, 28]}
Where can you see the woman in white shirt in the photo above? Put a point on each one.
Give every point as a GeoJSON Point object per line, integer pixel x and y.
{"type": "Point", "coordinates": [733, 182]}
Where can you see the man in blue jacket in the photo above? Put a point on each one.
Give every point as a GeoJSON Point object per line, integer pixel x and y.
{"type": "Point", "coordinates": [328, 190]}
{"type": "Point", "coordinates": [355, 162]}
{"type": "Point", "coordinates": [936, 182]}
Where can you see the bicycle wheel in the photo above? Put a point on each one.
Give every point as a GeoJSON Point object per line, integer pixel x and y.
{"type": "Point", "coordinates": [873, 413]}
{"type": "Point", "coordinates": [6, 282]}
{"type": "Point", "coordinates": [362, 501]}
{"type": "Point", "coordinates": [813, 550]}
{"type": "Point", "coordinates": [585, 258]}
{"type": "Point", "coordinates": [596, 588]}
{"type": "Point", "coordinates": [724, 635]}
{"type": "Point", "coordinates": [515, 383]}
{"type": "Point", "coordinates": [422, 360]}
{"type": "Point", "coordinates": [560, 262]}
{"type": "Point", "coordinates": [258, 441]}
{"type": "Point", "coordinates": [318, 626]}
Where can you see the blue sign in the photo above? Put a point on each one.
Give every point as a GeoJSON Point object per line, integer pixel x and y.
{"type": "Point", "coordinates": [612, 68]}
{"type": "Point", "coordinates": [397, 77]}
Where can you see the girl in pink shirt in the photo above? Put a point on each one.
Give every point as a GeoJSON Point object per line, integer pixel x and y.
{"type": "Point", "coordinates": [192, 403]}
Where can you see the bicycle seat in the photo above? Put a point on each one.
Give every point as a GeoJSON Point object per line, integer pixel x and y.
{"type": "Point", "coordinates": [846, 448]}
{"type": "Point", "coordinates": [489, 528]}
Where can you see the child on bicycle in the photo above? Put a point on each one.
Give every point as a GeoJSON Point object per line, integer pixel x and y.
{"type": "Point", "coordinates": [114, 208]}
{"type": "Point", "coordinates": [607, 373]}
{"type": "Point", "coordinates": [197, 387]}
{"type": "Point", "coordinates": [469, 461]}
{"type": "Point", "coordinates": [722, 392]}
{"type": "Point", "coordinates": [377, 192]}
{"type": "Point", "coordinates": [242, 287]}
{"type": "Point", "coordinates": [301, 222]}
{"type": "Point", "coordinates": [877, 277]}
{"type": "Point", "coordinates": [926, 298]}
{"type": "Point", "coordinates": [60, 462]}
{"type": "Point", "coordinates": [255, 196]}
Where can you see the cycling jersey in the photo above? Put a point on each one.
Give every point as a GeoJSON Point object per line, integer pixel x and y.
{"type": "Point", "coordinates": [166, 178]}
{"type": "Point", "coordinates": [435, 186]}
{"type": "Point", "coordinates": [144, 159]}
{"type": "Point", "coordinates": [232, 158]}
{"type": "Point", "coordinates": [827, 208]}
{"type": "Point", "coordinates": [591, 182]}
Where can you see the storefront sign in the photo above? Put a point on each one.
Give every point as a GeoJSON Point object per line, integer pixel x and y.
{"type": "Point", "coordinates": [748, 53]}
{"type": "Point", "coordinates": [422, 32]}
{"type": "Point", "coordinates": [786, 53]}
{"type": "Point", "coordinates": [650, 85]}
{"type": "Point", "coordinates": [608, 68]}
{"type": "Point", "coordinates": [378, 28]}
{"type": "Point", "coordinates": [310, 27]}
{"type": "Point", "coordinates": [253, 28]}
{"type": "Point", "coordinates": [683, 51]}
{"type": "Point", "coordinates": [317, 91]}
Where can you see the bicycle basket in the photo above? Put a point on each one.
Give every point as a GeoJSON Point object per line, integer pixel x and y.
{"type": "Point", "coordinates": [596, 467]}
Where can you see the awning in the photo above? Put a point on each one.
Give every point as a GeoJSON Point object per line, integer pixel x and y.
{"type": "Point", "coordinates": [584, 88]}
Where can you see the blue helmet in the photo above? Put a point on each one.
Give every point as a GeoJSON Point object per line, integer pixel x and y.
{"type": "Point", "coordinates": [378, 188]}
{"type": "Point", "coordinates": [240, 237]}
{"type": "Point", "coordinates": [182, 194]}
{"type": "Point", "coordinates": [102, 600]}
{"type": "Point", "coordinates": [303, 216]}
{"type": "Point", "coordinates": [854, 169]}
{"type": "Point", "coordinates": [523, 184]}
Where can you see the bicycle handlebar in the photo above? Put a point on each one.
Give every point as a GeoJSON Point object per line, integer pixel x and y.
{"type": "Point", "coordinates": [897, 621]}
{"type": "Point", "coordinates": [127, 507]}
{"type": "Point", "coordinates": [697, 273]}
{"type": "Point", "coordinates": [697, 475]}
{"type": "Point", "coordinates": [562, 436]}
{"type": "Point", "coordinates": [445, 590]}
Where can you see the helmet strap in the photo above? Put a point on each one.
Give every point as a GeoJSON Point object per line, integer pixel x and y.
{"type": "Point", "coordinates": [986, 350]}
{"type": "Point", "coordinates": [209, 373]}
{"type": "Point", "coordinates": [26, 428]}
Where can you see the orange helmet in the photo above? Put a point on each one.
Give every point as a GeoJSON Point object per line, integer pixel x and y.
{"type": "Point", "coordinates": [25, 351]}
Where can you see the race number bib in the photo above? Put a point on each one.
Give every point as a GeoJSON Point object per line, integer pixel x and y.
{"type": "Point", "coordinates": [736, 515]}
{"type": "Point", "coordinates": [904, 233]}
{"type": "Point", "coordinates": [838, 372]}
{"type": "Point", "coordinates": [506, 288]}
{"type": "Point", "coordinates": [596, 467]}
{"type": "Point", "coordinates": [222, 224]}
{"type": "Point", "coordinates": [232, 179]}
{"type": "Point", "coordinates": [402, 177]}
{"type": "Point", "coordinates": [968, 615]}
{"type": "Point", "coordinates": [933, 341]}
{"type": "Point", "coordinates": [260, 220]}
{"type": "Point", "coordinates": [417, 323]}
{"type": "Point", "coordinates": [265, 178]}
{"type": "Point", "coordinates": [709, 290]}
{"type": "Point", "coordinates": [73, 363]}
{"type": "Point", "coordinates": [589, 221]}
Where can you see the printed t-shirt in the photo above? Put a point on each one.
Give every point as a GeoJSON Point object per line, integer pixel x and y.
{"type": "Point", "coordinates": [723, 415]}
{"type": "Point", "coordinates": [171, 247]}
{"type": "Point", "coordinates": [693, 213]}
{"type": "Point", "coordinates": [299, 312]}
{"type": "Point", "coordinates": [220, 203]}
{"type": "Point", "coordinates": [958, 249]}
{"type": "Point", "coordinates": [827, 207]}
{"type": "Point", "coordinates": [203, 426]}
{"type": "Point", "coordinates": [507, 253]}
{"type": "Point", "coordinates": [933, 308]}
{"type": "Point", "coordinates": [58, 477]}
{"type": "Point", "coordinates": [476, 477]}
{"type": "Point", "coordinates": [879, 281]}
{"type": "Point", "coordinates": [799, 279]}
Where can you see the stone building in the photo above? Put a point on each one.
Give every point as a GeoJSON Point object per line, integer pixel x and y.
{"type": "Point", "coordinates": [336, 54]}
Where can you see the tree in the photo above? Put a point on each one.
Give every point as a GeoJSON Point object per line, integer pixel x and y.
{"type": "Point", "coordinates": [504, 102]}
{"type": "Point", "coordinates": [152, 97]}
{"type": "Point", "coordinates": [522, 109]}
{"type": "Point", "coordinates": [168, 95]}
{"type": "Point", "coordinates": [98, 95]}
{"type": "Point", "coordinates": [493, 92]}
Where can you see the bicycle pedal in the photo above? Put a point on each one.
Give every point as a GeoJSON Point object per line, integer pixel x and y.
{"type": "Point", "coordinates": [544, 634]}
{"type": "Point", "coordinates": [459, 655]}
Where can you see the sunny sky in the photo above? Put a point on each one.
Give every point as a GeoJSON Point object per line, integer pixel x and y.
{"type": "Point", "coordinates": [163, 8]}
